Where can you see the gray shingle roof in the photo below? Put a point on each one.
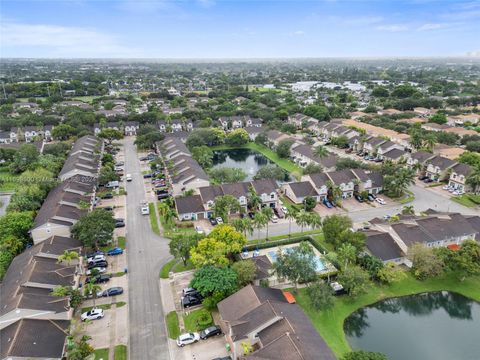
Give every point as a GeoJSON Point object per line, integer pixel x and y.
{"type": "Point", "coordinates": [189, 204]}
{"type": "Point", "coordinates": [303, 189]}
{"type": "Point", "coordinates": [382, 245]}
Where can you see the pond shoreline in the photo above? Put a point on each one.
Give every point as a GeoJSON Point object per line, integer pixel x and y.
{"type": "Point", "coordinates": [330, 323]}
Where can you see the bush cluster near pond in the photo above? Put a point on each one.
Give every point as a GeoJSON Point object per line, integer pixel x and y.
{"type": "Point", "coordinates": [330, 323]}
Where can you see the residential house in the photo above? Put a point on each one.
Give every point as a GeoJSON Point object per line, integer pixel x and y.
{"type": "Point", "coordinates": [253, 132]}
{"type": "Point", "coordinates": [274, 137]}
{"type": "Point", "coordinates": [395, 155]}
{"type": "Point", "coordinates": [31, 132]}
{"type": "Point", "coordinates": [371, 146]}
{"type": "Point", "coordinates": [270, 322]}
{"type": "Point", "coordinates": [47, 132]}
{"type": "Point", "coordinates": [383, 246]}
{"type": "Point", "coordinates": [298, 191]}
{"type": "Point", "coordinates": [267, 190]}
{"type": "Point", "coordinates": [299, 120]}
{"type": "Point", "coordinates": [304, 155]}
{"type": "Point", "coordinates": [450, 152]}
{"type": "Point", "coordinates": [5, 137]}
{"type": "Point", "coordinates": [190, 208]}
{"type": "Point", "coordinates": [15, 134]}
{"type": "Point", "coordinates": [387, 147]}
{"type": "Point", "coordinates": [438, 168]}
{"type": "Point", "coordinates": [130, 128]}
{"type": "Point", "coordinates": [434, 127]}
{"type": "Point", "coordinates": [255, 122]}
{"type": "Point", "coordinates": [460, 131]}
{"type": "Point", "coordinates": [458, 177]}
{"type": "Point", "coordinates": [418, 160]}
{"type": "Point", "coordinates": [423, 112]}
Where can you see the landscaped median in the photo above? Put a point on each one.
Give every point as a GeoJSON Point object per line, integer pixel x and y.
{"type": "Point", "coordinates": [172, 324]}
{"type": "Point", "coordinates": [329, 323]}
{"type": "Point", "coordinates": [153, 218]}
{"type": "Point", "coordinates": [468, 200]}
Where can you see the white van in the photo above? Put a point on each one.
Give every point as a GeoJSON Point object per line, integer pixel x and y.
{"type": "Point", "coordinates": [112, 184]}
{"type": "Point", "coordinates": [128, 177]}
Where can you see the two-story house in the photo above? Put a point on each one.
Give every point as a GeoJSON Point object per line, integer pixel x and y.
{"type": "Point", "coordinates": [438, 168]}
{"type": "Point", "coordinates": [458, 177]}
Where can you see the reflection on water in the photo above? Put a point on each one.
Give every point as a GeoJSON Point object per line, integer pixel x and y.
{"type": "Point", "coordinates": [435, 326]}
{"type": "Point", "coordinates": [248, 160]}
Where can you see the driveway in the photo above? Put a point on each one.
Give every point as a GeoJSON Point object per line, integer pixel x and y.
{"type": "Point", "coordinates": [146, 253]}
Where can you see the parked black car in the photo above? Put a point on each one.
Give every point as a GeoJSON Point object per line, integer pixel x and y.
{"type": "Point", "coordinates": [111, 292]}
{"type": "Point", "coordinates": [98, 279]}
{"type": "Point", "coordinates": [427, 180]}
{"type": "Point", "coordinates": [189, 300]}
{"type": "Point", "coordinates": [422, 177]}
{"type": "Point", "coordinates": [371, 197]}
{"type": "Point", "coordinates": [213, 221]}
{"type": "Point", "coordinates": [359, 198]}
{"type": "Point", "coordinates": [210, 331]}
{"type": "Point", "coordinates": [106, 196]}
{"type": "Point", "coordinates": [147, 176]}
{"type": "Point", "coordinates": [251, 215]}
{"type": "Point", "coordinates": [94, 264]}
{"type": "Point", "coordinates": [98, 252]}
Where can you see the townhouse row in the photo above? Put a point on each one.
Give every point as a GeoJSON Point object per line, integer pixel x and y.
{"type": "Point", "coordinates": [391, 242]}
{"type": "Point", "coordinates": [26, 134]}
{"type": "Point", "coordinates": [33, 322]}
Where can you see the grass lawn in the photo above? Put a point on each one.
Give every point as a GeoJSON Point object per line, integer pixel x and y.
{"type": "Point", "coordinates": [121, 241]}
{"type": "Point", "coordinates": [179, 267]}
{"type": "Point", "coordinates": [7, 180]}
{"type": "Point", "coordinates": [330, 323]}
{"type": "Point", "coordinates": [101, 354]}
{"type": "Point", "coordinates": [87, 99]}
{"type": "Point", "coordinates": [153, 219]}
{"type": "Point", "coordinates": [406, 198]}
{"type": "Point", "coordinates": [198, 320]}
{"type": "Point", "coordinates": [167, 268]}
{"type": "Point", "coordinates": [468, 200]}
{"type": "Point", "coordinates": [172, 324]}
{"type": "Point", "coordinates": [120, 352]}
{"type": "Point", "coordinates": [104, 307]}
{"type": "Point", "coordinates": [283, 163]}
{"type": "Point", "coordinates": [170, 229]}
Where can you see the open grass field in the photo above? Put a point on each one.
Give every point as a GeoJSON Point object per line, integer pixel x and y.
{"type": "Point", "coordinates": [330, 323]}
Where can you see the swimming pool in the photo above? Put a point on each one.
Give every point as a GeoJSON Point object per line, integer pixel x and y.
{"type": "Point", "coordinates": [319, 267]}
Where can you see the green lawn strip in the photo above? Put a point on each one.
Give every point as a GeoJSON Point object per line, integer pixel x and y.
{"type": "Point", "coordinates": [464, 200]}
{"type": "Point", "coordinates": [330, 323]}
{"type": "Point", "coordinates": [197, 320]}
{"type": "Point", "coordinates": [118, 274]}
{"type": "Point", "coordinates": [7, 180]}
{"type": "Point", "coordinates": [120, 304]}
{"type": "Point", "coordinates": [104, 307]}
{"type": "Point", "coordinates": [180, 267]}
{"type": "Point", "coordinates": [101, 354]}
{"type": "Point", "coordinates": [170, 228]}
{"type": "Point", "coordinates": [172, 324]}
{"type": "Point", "coordinates": [167, 268]}
{"type": "Point", "coordinates": [153, 219]}
{"type": "Point", "coordinates": [121, 242]}
{"type": "Point", "coordinates": [406, 198]}
{"type": "Point", "coordinates": [120, 352]}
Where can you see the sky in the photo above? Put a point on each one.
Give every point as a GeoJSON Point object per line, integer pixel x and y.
{"type": "Point", "coordinates": [238, 28]}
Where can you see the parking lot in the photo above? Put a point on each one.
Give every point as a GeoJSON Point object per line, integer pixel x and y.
{"type": "Point", "coordinates": [113, 328]}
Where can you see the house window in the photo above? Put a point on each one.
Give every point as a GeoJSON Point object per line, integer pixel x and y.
{"type": "Point", "coordinates": [272, 196]}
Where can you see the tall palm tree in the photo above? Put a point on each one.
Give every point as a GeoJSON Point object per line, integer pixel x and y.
{"type": "Point", "coordinates": [259, 221]}
{"type": "Point", "coordinates": [302, 218]}
{"type": "Point", "coordinates": [408, 210]}
{"type": "Point", "coordinates": [254, 200]}
{"type": "Point", "coordinates": [247, 226]}
{"type": "Point", "coordinates": [430, 140]}
{"type": "Point", "coordinates": [91, 288]}
{"type": "Point", "coordinates": [347, 254]}
{"type": "Point", "coordinates": [291, 215]}
{"type": "Point", "coordinates": [320, 151]}
{"type": "Point", "coordinates": [315, 221]}
{"type": "Point", "coordinates": [473, 180]}
{"type": "Point", "coordinates": [238, 225]}
{"type": "Point", "coordinates": [268, 212]}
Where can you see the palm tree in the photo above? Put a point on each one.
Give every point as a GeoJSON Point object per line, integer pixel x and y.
{"type": "Point", "coordinates": [259, 221]}
{"type": "Point", "coordinates": [268, 212]}
{"type": "Point", "coordinates": [473, 180]}
{"type": "Point", "coordinates": [247, 226]}
{"type": "Point", "coordinates": [165, 212]}
{"type": "Point", "coordinates": [291, 215]}
{"type": "Point", "coordinates": [91, 288]}
{"type": "Point", "coordinates": [320, 151]}
{"type": "Point", "coordinates": [408, 210]}
{"type": "Point", "coordinates": [254, 200]}
{"type": "Point", "coordinates": [315, 221]}
{"type": "Point", "coordinates": [346, 254]}
{"type": "Point", "coordinates": [302, 218]}
{"type": "Point", "coordinates": [430, 140]}
{"type": "Point", "coordinates": [67, 257]}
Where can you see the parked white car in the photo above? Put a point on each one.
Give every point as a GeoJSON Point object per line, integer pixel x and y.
{"type": "Point", "coordinates": [445, 187]}
{"type": "Point", "coordinates": [284, 209]}
{"type": "Point", "coordinates": [274, 219]}
{"type": "Point", "coordinates": [219, 220]}
{"type": "Point", "coordinates": [380, 201]}
{"type": "Point", "coordinates": [100, 270]}
{"type": "Point", "coordinates": [188, 338]}
{"type": "Point", "coordinates": [199, 230]}
{"type": "Point", "coordinates": [144, 209]}
{"type": "Point", "coordinates": [93, 314]}
{"type": "Point", "coordinates": [95, 258]}
{"type": "Point", "coordinates": [128, 177]}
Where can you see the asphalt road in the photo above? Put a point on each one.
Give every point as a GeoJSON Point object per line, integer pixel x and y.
{"type": "Point", "coordinates": [146, 253]}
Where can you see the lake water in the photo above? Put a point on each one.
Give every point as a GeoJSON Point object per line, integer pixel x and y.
{"type": "Point", "coordinates": [433, 326]}
{"type": "Point", "coordinates": [248, 160]}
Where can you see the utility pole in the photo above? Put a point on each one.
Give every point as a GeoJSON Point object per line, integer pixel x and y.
{"type": "Point", "coordinates": [4, 92]}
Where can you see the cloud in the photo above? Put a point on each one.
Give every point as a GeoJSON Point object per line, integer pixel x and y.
{"type": "Point", "coordinates": [363, 20]}
{"type": "Point", "coordinates": [298, 33]}
{"type": "Point", "coordinates": [392, 28]}
{"type": "Point", "coordinates": [475, 53]}
{"type": "Point", "coordinates": [428, 27]}
{"type": "Point", "coordinates": [62, 41]}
